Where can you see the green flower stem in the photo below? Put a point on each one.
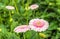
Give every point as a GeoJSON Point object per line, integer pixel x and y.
{"type": "Point", "coordinates": [19, 35]}
{"type": "Point", "coordinates": [24, 35]}
{"type": "Point", "coordinates": [38, 35]}
{"type": "Point", "coordinates": [16, 7]}
{"type": "Point", "coordinates": [23, 2]}
{"type": "Point", "coordinates": [10, 1]}
{"type": "Point", "coordinates": [27, 18]}
{"type": "Point", "coordinates": [9, 20]}
{"type": "Point", "coordinates": [46, 9]}
{"type": "Point", "coordinates": [10, 14]}
{"type": "Point", "coordinates": [33, 34]}
{"type": "Point", "coordinates": [27, 11]}
{"type": "Point", "coordinates": [34, 14]}
{"type": "Point", "coordinates": [4, 14]}
{"type": "Point", "coordinates": [0, 19]}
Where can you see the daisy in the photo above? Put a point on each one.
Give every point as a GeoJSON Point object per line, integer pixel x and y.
{"type": "Point", "coordinates": [38, 25]}
{"type": "Point", "coordinates": [10, 7]}
{"type": "Point", "coordinates": [22, 28]}
{"type": "Point", "coordinates": [34, 6]}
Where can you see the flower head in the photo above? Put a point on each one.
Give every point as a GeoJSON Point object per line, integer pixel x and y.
{"type": "Point", "coordinates": [27, 8]}
{"type": "Point", "coordinates": [10, 7]}
{"type": "Point", "coordinates": [11, 19]}
{"type": "Point", "coordinates": [34, 6]}
{"type": "Point", "coordinates": [0, 29]}
{"type": "Point", "coordinates": [38, 25]}
{"type": "Point", "coordinates": [22, 28]}
{"type": "Point", "coordinates": [42, 35]}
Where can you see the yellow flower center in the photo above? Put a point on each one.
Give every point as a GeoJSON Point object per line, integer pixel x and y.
{"type": "Point", "coordinates": [38, 23]}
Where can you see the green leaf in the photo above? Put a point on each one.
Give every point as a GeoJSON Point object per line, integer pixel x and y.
{"type": "Point", "coordinates": [58, 2]}
{"type": "Point", "coordinates": [53, 25]}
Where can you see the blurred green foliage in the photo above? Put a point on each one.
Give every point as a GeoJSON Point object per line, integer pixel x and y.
{"type": "Point", "coordinates": [9, 19]}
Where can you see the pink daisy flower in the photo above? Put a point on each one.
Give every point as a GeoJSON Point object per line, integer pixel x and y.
{"type": "Point", "coordinates": [22, 28]}
{"type": "Point", "coordinates": [38, 25]}
{"type": "Point", "coordinates": [34, 6]}
{"type": "Point", "coordinates": [10, 7]}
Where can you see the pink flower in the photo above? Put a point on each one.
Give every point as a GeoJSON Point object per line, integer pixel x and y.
{"type": "Point", "coordinates": [34, 6]}
{"type": "Point", "coordinates": [38, 25]}
{"type": "Point", "coordinates": [10, 7]}
{"type": "Point", "coordinates": [22, 28]}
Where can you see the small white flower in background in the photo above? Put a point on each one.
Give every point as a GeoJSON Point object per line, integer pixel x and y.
{"type": "Point", "coordinates": [10, 7]}
{"type": "Point", "coordinates": [38, 25]}
{"type": "Point", "coordinates": [22, 28]}
{"type": "Point", "coordinates": [34, 6]}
